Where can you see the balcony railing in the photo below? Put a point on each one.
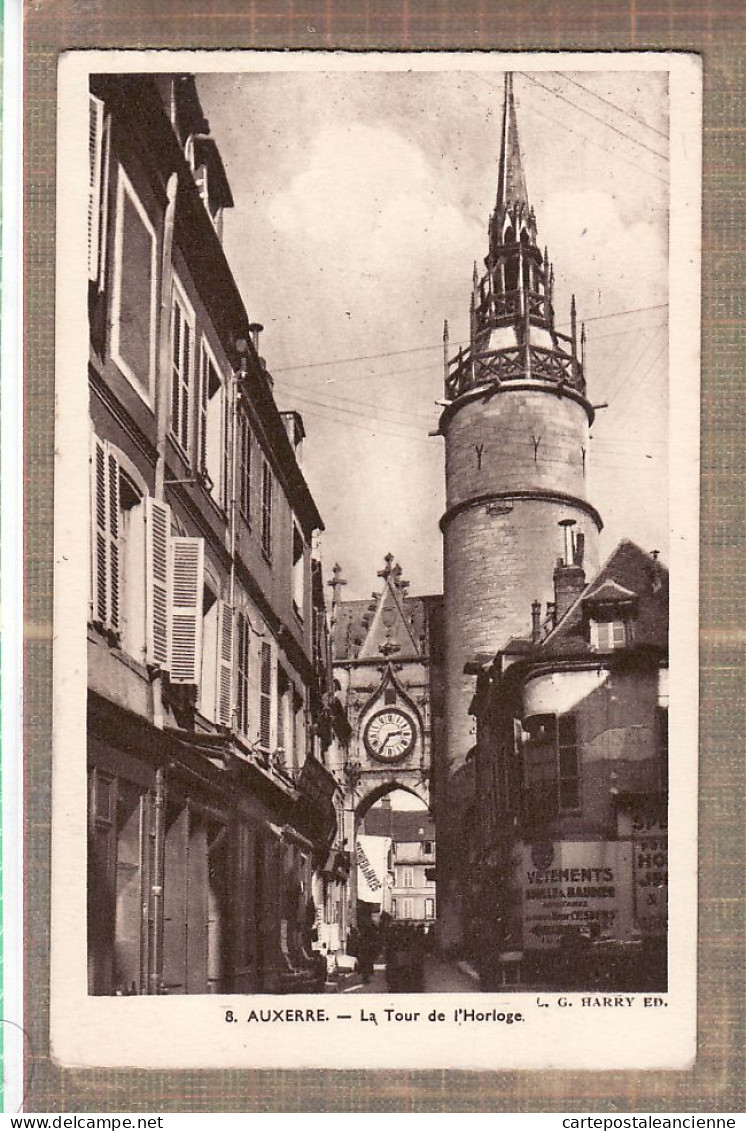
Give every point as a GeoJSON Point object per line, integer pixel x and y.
{"type": "Point", "coordinates": [470, 369]}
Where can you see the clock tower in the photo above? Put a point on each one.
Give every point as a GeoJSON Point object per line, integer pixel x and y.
{"type": "Point", "coordinates": [515, 424]}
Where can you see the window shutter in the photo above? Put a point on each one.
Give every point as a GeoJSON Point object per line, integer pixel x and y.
{"type": "Point", "coordinates": [95, 130]}
{"type": "Point", "coordinates": [114, 518]}
{"type": "Point", "coordinates": [105, 520]}
{"type": "Point", "coordinates": [242, 696]}
{"type": "Point", "coordinates": [265, 696]}
{"type": "Point", "coordinates": [204, 393]}
{"type": "Point", "coordinates": [99, 504]}
{"type": "Point", "coordinates": [176, 319]}
{"type": "Point", "coordinates": [187, 570]}
{"type": "Point", "coordinates": [186, 377]}
{"type": "Point", "coordinates": [224, 696]}
{"type": "Point", "coordinates": [103, 209]}
{"type": "Point", "coordinates": [157, 581]}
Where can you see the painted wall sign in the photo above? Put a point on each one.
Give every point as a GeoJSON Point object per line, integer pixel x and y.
{"type": "Point", "coordinates": [587, 887]}
{"type": "Point", "coordinates": [650, 874]}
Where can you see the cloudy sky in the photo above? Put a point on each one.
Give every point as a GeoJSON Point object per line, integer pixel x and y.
{"type": "Point", "coordinates": [361, 202]}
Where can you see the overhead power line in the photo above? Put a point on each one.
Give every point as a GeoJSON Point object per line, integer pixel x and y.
{"type": "Point", "coordinates": [439, 345]}
{"type": "Point", "coordinates": [545, 117]}
{"type": "Point", "coordinates": [627, 113]}
{"type": "Point", "coordinates": [602, 121]}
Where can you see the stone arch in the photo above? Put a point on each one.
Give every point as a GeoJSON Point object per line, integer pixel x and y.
{"type": "Point", "coordinates": [420, 791]}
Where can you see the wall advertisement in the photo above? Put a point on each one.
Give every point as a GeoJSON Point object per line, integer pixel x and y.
{"type": "Point", "coordinates": [582, 885]}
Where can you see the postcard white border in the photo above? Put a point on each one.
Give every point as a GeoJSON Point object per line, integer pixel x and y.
{"type": "Point", "coordinates": [191, 1031]}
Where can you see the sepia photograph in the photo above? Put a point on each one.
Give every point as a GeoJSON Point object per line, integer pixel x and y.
{"type": "Point", "coordinates": [370, 514]}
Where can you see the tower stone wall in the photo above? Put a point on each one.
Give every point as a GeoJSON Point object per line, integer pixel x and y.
{"type": "Point", "coordinates": [515, 469]}
{"type": "Point", "coordinates": [515, 424]}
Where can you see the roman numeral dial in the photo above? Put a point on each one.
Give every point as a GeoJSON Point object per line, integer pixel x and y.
{"type": "Point", "coordinates": [389, 735]}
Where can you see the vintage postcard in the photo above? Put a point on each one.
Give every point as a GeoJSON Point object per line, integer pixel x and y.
{"type": "Point", "coordinates": [376, 520]}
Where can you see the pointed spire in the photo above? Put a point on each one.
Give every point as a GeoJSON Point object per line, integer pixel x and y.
{"type": "Point", "coordinates": [511, 184]}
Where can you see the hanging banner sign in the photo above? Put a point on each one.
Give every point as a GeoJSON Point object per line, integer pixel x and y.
{"type": "Point", "coordinates": [581, 886]}
{"type": "Point", "coordinates": [372, 868]}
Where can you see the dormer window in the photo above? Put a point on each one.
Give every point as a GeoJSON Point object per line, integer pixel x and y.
{"type": "Point", "coordinates": [209, 176]}
{"type": "Point", "coordinates": [608, 635]}
{"type": "Point", "coordinates": [610, 610]}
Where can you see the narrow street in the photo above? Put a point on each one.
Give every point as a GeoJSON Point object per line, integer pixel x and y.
{"type": "Point", "coordinates": [440, 977]}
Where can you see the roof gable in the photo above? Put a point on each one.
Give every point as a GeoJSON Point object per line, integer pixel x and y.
{"type": "Point", "coordinates": [629, 574]}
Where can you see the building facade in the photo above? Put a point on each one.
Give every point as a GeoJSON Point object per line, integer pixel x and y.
{"type": "Point", "coordinates": [515, 424]}
{"type": "Point", "coordinates": [211, 812]}
{"type": "Point", "coordinates": [387, 657]}
{"type": "Point", "coordinates": [412, 836]}
{"type": "Point", "coordinates": [571, 770]}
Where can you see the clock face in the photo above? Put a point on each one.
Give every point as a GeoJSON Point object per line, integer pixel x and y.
{"type": "Point", "coordinates": [389, 735]}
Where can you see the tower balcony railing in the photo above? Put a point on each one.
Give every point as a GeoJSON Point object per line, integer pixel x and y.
{"type": "Point", "coordinates": [472, 368]}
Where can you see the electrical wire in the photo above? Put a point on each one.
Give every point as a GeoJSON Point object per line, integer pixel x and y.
{"type": "Point", "coordinates": [609, 125]}
{"type": "Point", "coordinates": [439, 345]}
{"type": "Point", "coordinates": [613, 105]}
{"type": "Point", "coordinates": [585, 137]}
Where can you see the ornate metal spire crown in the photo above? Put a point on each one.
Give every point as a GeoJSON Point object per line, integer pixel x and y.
{"type": "Point", "coordinates": [512, 331]}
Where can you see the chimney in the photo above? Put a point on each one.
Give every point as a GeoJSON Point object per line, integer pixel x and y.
{"type": "Point", "coordinates": [535, 621]}
{"type": "Point", "coordinates": [569, 576]}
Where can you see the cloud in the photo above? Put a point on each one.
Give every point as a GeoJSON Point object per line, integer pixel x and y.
{"type": "Point", "coordinates": [612, 264]}
{"type": "Point", "coordinates": [367, 196]}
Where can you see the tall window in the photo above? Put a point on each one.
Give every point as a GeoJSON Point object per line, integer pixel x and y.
{"type": "Point", "coordinates": [429, 908]}
{"type": "Point", "coordinates": [134, 291]}
{"type": "Point", "coordinates": [299, 572]}
{"type": "Point", "coordinates": [265, 696]}
{"type": "Point", "coordinates": [567, 757]}
{"type": "Point", "coordinates": [662, 718]}
{"type": "Point", "coordinates": [182, 351]}
{"type": "Point", "coordinates": [267, 486]}
{"type": "Point", "coordinates": [117, 549]}
{"type": "Point", "coordinates": [407, 909]}
{"type": "Point", "coordinates": [551, 765]}
{"type": "Point", "coordinates": [244, 467]}
{"type": "Point", "coordinates": [284, 726]}
{"type": "Point", "coordinates": [407, 878]}
{"type": "Point", "coordinates": [242, 673]}
{"type": "Point", "coordinates": [212, 432]}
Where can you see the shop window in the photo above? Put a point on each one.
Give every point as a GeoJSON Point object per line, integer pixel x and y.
{"type": "Point", "coordinates": [120, 864]}
{"type": "Point", "coordinates": [134, 291]}
{"type": "Point", "coordinates": [182, 368]}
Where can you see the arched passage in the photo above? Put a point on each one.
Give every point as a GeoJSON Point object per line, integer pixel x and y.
{"type": "Point", "coordinates": [385, 789]}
